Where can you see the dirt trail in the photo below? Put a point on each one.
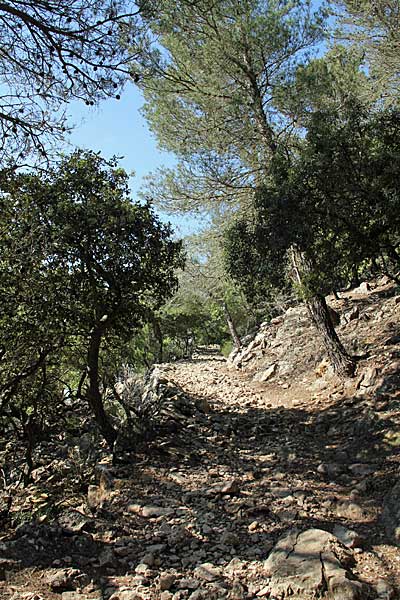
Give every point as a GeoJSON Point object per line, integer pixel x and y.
{"type": "Point", "coordinates": [196, 516]}
{"type": "Point", "coordinates": [300, 461]}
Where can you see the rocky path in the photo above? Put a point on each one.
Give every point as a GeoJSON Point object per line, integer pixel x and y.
{"type": "Point", "coordinates": [198, 515]}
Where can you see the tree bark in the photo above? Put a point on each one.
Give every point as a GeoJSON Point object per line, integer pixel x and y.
{"type": "Point", "coordinates": [394, 257]}
{"type": "Point", "coordinates": [343, 364]}
{"type": "Point", "coordinates": [93, 393]}
{"type": "Point", "coordinates": [232, 328]}
{"type": "Point", "coordinates": [159, 338]}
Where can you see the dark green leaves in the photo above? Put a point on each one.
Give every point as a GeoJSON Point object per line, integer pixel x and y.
{"type": "Point", "coordinates": [78, 256]}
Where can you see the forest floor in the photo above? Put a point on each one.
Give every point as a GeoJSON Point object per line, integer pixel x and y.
{"type": "Point", "coordinates": [196, 515]}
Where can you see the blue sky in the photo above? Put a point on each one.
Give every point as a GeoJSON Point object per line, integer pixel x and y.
{"type": "Point", "coordinates": [116, 128]}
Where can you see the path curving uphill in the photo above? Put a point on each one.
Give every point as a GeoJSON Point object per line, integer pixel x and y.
{"type": "Point", "coordinates": [253, 491]}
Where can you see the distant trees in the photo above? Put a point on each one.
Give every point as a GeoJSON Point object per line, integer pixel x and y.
{"type": "Point", "coordinates": [53, 52]}
{"type": "Point", "coordinates": [82, 265]}
{"type": "Point", "coordinates": [208, 306]}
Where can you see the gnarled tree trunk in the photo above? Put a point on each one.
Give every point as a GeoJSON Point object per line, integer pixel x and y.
{"type": "Point", "coordinates": [93, 394]}
{"type": "Point", "coordinates": [343, 364]}
{"type": "Point", "coordinates": [232, 328]}
{"type": "Point", "coordinates": [159, 338]}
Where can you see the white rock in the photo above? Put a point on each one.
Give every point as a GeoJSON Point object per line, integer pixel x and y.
{"type": "Point", "coordinates": [348, 537]}
{"type": "Point", "coordinates": [152, 512]}
{"type": "Point", "coordinates": [207, 572]}
{"type": "Point", "coordinates": [267, 374]}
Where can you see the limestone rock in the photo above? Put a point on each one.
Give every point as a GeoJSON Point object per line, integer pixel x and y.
{"type": "Point", "coordinates": [142, 569]}
{"type": "Point", "coordinates": [148, 559]}
{"type": "Point", "coordinates": [330, 470]}
{"type": "Point", "coordinates": [321, 369]}
{"type": "Point", "coordinates": [364, 288]}
{"type": "Point", "coordinates": [229, 538]}
{"type": "Point", "coordinates": [368, 378]}
{"type": "Point", "coordinates": [227, 487]}
{"type": "Point", "coordinates": [59, 581]}
{"type": "Point", "coordinates": [152, 512]}
{"type": "Point", "coordinates": [348, 537]}
{"type": "Point", "coordinates": [66, 579]}
{"type": "Point", "coordinates": [309, 564]}
{"type": "Point", "coordinates": [126, 595]}
{"type": "Point", "coordinates": [207, 572]}
{"type": "Point", "coordinates": [385, 590]}
{"type": "Point", "coordinates": [166, 582]}
{"type": "Point", "coordinates": [199, 595]}
{"type": "Point", "coordinates": [362, 469]}
{"type": "Point", "coordinates": [73, 521]}
{"type": "Point", "coordinates": [350, 510]}
{"type": "Point", "coordinates": [188, 583]}
{"type": "Point", "coordinates": [107, 558]}
{"type": "Point", "coordinates": [95, 497]}
{"type": "Point", "coordinates": [267, 374]}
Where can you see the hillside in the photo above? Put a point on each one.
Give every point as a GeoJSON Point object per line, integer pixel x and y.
{"type": "Point", "coordinates": [265, 477]}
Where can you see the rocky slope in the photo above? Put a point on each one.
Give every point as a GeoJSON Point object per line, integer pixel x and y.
{"type": "Point", "coordinates": [268, 478]}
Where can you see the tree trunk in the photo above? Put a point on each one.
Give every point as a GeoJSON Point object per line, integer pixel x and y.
{"type": "Point", "coordinates": [341, 361]}
{"type": "Point", "coordinates": [343, 364]}
{"type": "Point", "coordinates": [394, 258]}
{"type": "Point", "coordinates": [232, 329]}
{"type": "Point", "coordinates": [355, 278]}
{"type": "Point", "coordinates": [93, 394]}
{"type": "Point", "coordinates": [30, 439]}
{"type": "Point", "coordinates": [159, 339]}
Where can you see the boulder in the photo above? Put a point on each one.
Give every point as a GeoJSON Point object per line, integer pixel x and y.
{"type": "Point", "coordinates": [207, 572]}
{"type": "Point", "coordinates": [364, 288]}
{"type": "Point", "coordinates": [266, 374]}
{"type": "Point", "coordinates": [309, 565]}
{"type": "Point", "coordinates": [348, 537]}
